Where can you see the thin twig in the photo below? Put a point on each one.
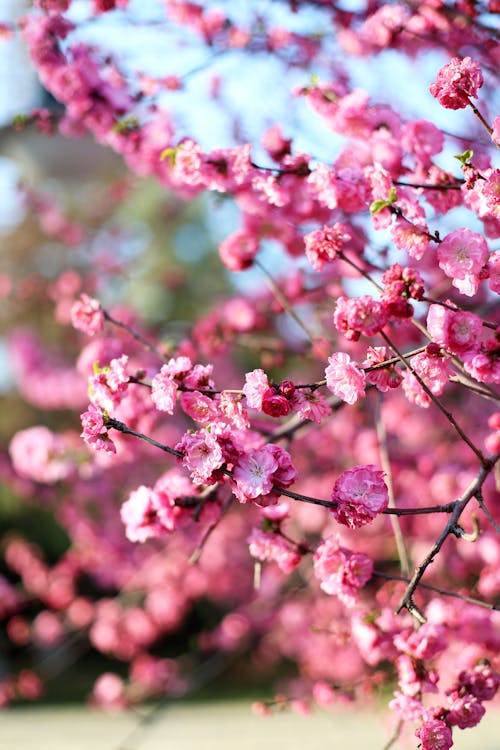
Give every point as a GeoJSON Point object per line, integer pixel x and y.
{"type": "Point", "coordinates": [386, 466]}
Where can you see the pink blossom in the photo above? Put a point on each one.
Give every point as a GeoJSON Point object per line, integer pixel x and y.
{"type": "Point", "coordinates": [457, 82]}
{"type": "Point", "coordinates": [238, 250]}
{"type": "Point", "coordinates": [202, 455]}
{"type": "Point", "coordinates": [434, 734]}
{"type": "Point", "coordinates": [494, 271]}
{"type": "Point", "coordinates": [422, 138]}
{"type": "Point", "coordinates": [408, 707]}
{"type": "Point", "coordinates": [465, 711]}
{"type": "Point", "coordinates": [462, 255]}
{"type": "Point", "coordinates": [324, 245]}
{"type": "Point", "coordinates": [147, 514]}
{"type": "Point", "coordinates": [360, 495]}
{"type": "Point", "coordinates": [199, 407]}
{"type": "Point", "coordinates": [164, 391]}
{"type": "Point", "coordinates": [256, 384]}
{"type": "Point", "coordinates": [359, 315]}
{"type": "Point", "coordinates": [384, 378]}
{"type": "Point", "coordinates": [310, 405]}
{"type": "Point", "coordinates": [434, 371]}
{"type": "Point", "coordinates": [87, 315]}
{"type": "Point", "coordinates": [341, 572]}
{"type": "Point", "coordinates": [424, 643]}
{"type": "Point", "coordinates": [254, 472]}
{"type": "Point", "coordinates": [457, 332]}
{"type": "Point", "coordinates": [109, 385]}
{"type": "Point", "coordinates": [275, 404]}
{"type": "Point", "coordinates": [39, 454]}
{"type": "Point", "coordinates": [94, 431]}
{"type": "Point", "coordinates": [109, 691]}
{"type": "Point", "coordinates": [345, 378]}
{"type": "Point", "coordinates": [480, 681]}
{"type": "Point", "coordinates": [273, 547]}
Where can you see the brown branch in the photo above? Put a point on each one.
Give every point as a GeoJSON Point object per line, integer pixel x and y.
{"type": "Point", "coordinates": [460, 505]}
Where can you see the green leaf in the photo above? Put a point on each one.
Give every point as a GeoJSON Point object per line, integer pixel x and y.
{"type": "Point", "coordinates": [170, 154]}
{"type": "Point", "coordinates": [377, 206]}
{"type": "Point", "coordinates": [392, 195]}
{"type": "Point", "coordinates": [465, 157]}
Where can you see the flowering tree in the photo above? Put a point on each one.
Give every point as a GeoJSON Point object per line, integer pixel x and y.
{"type": "Point", "coordinates": [317, 457]}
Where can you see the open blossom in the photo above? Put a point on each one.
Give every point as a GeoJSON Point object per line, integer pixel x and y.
{"type": "Point", "coordinates": [87, 315]}
{"type": "Point", "coordinates": [176, 371]}
{"type": "Point", "coordinates": [359, 315]}
{"type": "Point", "coordinates": [256, 384]}
{"type": "Point", "coordinates": [147, 514]}
{"type": "Point", "coordinates": [345, 378]}
{"type": "Point", "coordinates": [434, 371]}
{"type": "Point", "coordinates": [457, 82]}
{"type": "Point", "coordinates": [108, 387]}
{"type": "Point", "coordinates": [324, 245]}
{"type": "Point", "coordinates": [39, 454]}
{"type": "Point", "coordinates": [465, 711]}
{"type": "Point", "coordinates": [462, 255]}
{"type": "Point", "coordinates": [258, 471]}
{"type": "Point", "coordinates": [456, 331]}
{"type": "Point", "coordinates": [273, 547]}
{"type": "Point", "coordinates": [202, 455]}
{"type": "Point", "coordinates": [360, 494]}
{"type": "Point", "coordinates": [424, 643]}
{"type": "Point", "coordinates": [238, 250]}
{"type": "Point", "coordinates": [434, 734]}
{"type": "Point", "coordinates": [310, 405]}
{"type": "Point", "coordinates": [341, 572]}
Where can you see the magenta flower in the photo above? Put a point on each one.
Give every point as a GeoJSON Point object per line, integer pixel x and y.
{"type": "Point", "coordinates": [457, 82]}
{"type": "Point", "coordinates": [324, 245]}
{"type": "Point", "coordinates": [360, 494]}
{"type": "Point", "coordinates": [345, 378]}
{"type": "Point", "coordinates": [434, 734]}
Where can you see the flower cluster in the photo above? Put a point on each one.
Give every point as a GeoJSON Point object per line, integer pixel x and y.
{"type": "Point", "coordinates": [342, 573]}
{"type": "Point", "coordinates": [457, 82]}
{"type": "Point", "coordinates": [359, 494]}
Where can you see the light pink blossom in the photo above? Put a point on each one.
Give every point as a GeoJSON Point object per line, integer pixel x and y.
{"type": "Point", "coordinates": [87, 315]}
{"type": "Point", "coordinates": [345, 378]}
{"type": "Point", "coordinates": [462, 255]}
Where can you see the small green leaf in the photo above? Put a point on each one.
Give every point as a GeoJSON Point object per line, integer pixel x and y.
{"type": "Point", "coordinates": [170, 154]}
{"type": "Point", "coordinates": [392, 195]}
{"type": "Point", "coordinates": [377, 206]}
{"type": "Point", "coordinates": [465, 157]}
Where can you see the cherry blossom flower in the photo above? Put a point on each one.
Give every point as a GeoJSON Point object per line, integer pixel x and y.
{"type": "Point", "coordinates": [202, 455]}
{"type": "Point", "coordinates": [434, 734]}
{"type": "Point", "coordinates": [310, 405]}
{"type": "Point", "coordinates": [480, 681]}
{"type": "Point", "coordinates": [341, 572]}
{"type": "Point", "coordinates": [457, 82]}
{"type": "Point", "coordinates": [94, 431]}
{"type": "Point", "coordinates": [324, 245]}
{"type": "Point", "coordinates": [274, 403]}
{"type": "Point", "coordinates": [256, 384]}
{"type": "Point", "coordinates": [465, 711]}
{"type": "Point", "coordinates": [456, 331]}
{"type": "Point", "coordinates": [360, 494]}
{"type": "Point", "coordinates": [359, 315]}
{"type": "Point", "coordinates": [273, 547]}
{"type": "Point", "coordinates": [462, 255]}
{"type": "Point", "coordinates": [147, 514]}
{"type": "Point", "coordinates": [384, 378]}
{"type": "Point", "coordinates": [87, 315]}
{"type": "Point", "coordinates": [345, 378]}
